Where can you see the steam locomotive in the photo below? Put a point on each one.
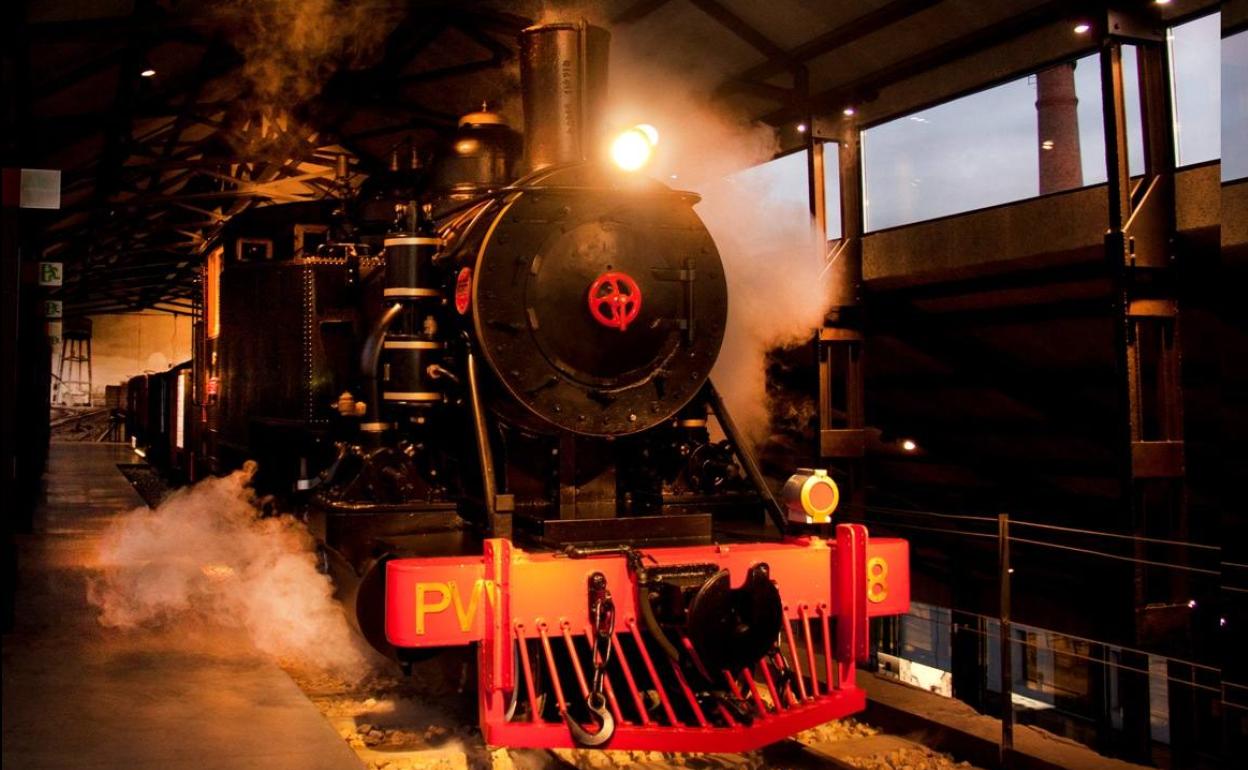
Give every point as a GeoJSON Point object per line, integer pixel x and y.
{"type": "Point", "coordinates": [484, 381]}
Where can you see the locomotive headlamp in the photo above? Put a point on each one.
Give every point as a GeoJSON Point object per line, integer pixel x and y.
{"type": "Point", "coordinates": [810, 496]}
{"type": "Point", "coordinates": [633, 148]}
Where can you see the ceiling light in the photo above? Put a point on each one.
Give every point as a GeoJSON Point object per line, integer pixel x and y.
{"type": "Point", "coordinates": [147, 73]}
{"type": "Point", "coordinates": [801, 128]}
{"type": "Point", "coordinates": [1163, 2]}
{"type": "Point", "coordinates": [1082, 28]}
{"type": "Point", "coordinates": [908, 445]}
{"type": "Point", "coordinates": [848, 111]}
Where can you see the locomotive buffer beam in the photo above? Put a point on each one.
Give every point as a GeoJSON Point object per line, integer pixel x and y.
{"type": "Point", "coordinates": [521, 608]}
{"type": "Point", "coordinates": [639, 531]}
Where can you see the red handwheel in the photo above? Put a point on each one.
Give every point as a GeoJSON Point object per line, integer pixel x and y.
{"type": "Point", "coordinates": [614, 300]}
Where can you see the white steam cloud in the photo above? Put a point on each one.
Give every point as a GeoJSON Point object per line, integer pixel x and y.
{"type": "Point", "coordinates": [206, 552]}
{"type": "Point", "coordinates": [777, 290]}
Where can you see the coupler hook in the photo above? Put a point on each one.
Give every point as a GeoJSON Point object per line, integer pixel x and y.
{"type": "Point", "coordinates": [602, 615]}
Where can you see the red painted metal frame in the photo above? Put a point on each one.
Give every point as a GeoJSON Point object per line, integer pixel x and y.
{"type": "Point", "coordinates": [507, 595]}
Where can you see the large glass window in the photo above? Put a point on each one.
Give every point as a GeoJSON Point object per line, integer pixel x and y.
{"type": "Point", "coordinates": [832, 188]}
{"type": "Point", "coordinates": [966, 154]}
{"type": "Point", "coordinates": [1092, 116]}
{"type": "Point", "coordinates": [1235, 106]}
{"type": "Point", "coordinates": [212, 293]}
{"type": "Point", "coordinates": [985, 149]}
{"type": "Point", "coordinates": [1194, 62]}
{"type": "Point", "coordinates": [784, 180]}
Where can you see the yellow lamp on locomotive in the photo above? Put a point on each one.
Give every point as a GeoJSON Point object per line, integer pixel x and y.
{"type": "Point", "coordinates": [633, 148]}
{"type": "Point", "coordinates": [810, 496]}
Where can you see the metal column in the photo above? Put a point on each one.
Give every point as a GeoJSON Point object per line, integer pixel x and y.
{"type": "Point", "coordinates": [1139, 249]}
{"type": "Point", "coordinates": [842, 417]}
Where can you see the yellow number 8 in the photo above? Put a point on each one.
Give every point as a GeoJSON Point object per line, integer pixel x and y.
{"type": "Point", "coordinates": [877, 579]}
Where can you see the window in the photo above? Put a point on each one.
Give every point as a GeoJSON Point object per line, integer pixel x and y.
{"type": "Point", "coordinates": [1194, 65]}
{"type": "Point", "coordinates": [1092, 118]}
{"type": "Point", "coordinates": [784, 181]}
{"type": "Point", "coordinates": [212, 293]}
{"type": "Point", "coordinates": [925, 635]}
{"type": "Point", "coordinates": [1234, 106]}
{"type": "Point", "coordinates": [966, 154]}
{"type": "Point", "coordinates": [984, 149]}
{"type": "Point", "coordinates": [309, 238]}
{"type": "Point", "coordinates": [832, 188]}
{"type": "Point", "coordinates": [253, 249]}
{"type": "Point", "coordinates": [179, 426]}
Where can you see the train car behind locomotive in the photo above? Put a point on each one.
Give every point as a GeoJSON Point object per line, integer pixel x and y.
{"type": "Point", "coordinates": [160, 420]}
{"type": "Point", "coordinates": [485, 382]}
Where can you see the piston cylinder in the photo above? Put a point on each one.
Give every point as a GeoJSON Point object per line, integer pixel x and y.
{"type": "Point", "coordinates": [405, 375]}
{"type": "Point", "coordinates": [410, 346]}
{"type": "Point", "coordinates": [408, 260]}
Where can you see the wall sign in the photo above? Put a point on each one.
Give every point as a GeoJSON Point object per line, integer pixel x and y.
{"type": "Point", "coordinates": [51, 273]}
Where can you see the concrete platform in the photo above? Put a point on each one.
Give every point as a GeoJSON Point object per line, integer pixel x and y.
{"type": "Point", "coordinates": [952, 726]}
{"type": "Point", "coordinates": [77, 695]}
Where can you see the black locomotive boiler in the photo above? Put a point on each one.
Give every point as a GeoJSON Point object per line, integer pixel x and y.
{"type": "Point", "coordinates": [508, 347]}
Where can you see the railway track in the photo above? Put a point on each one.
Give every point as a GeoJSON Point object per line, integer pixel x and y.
{"type": "Point", "coordinates": [429, 723]}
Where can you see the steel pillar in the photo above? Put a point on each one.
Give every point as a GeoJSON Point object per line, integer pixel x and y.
{"type": "Point", "coordinates": [842, 416]}
{"type": "Point", "coordinates": [1140, 257]}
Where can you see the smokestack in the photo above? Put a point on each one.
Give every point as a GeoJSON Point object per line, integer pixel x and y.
{"type": "Point", "coordinates": [1057, 118]}
{"type": "Point", "coordinates": [563, 75]}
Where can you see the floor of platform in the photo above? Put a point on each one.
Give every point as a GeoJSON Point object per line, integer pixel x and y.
{"type": "Point", "coordinates": [950, 725]}
{"type": "Point", "coordinates": [83, 696]}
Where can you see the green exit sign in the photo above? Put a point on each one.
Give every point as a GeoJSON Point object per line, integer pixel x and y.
{"type": "Point", "coordinates": [51, 273]}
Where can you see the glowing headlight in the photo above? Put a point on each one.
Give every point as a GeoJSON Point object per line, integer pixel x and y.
{"type": "Point", "coordinates": [633, 148]}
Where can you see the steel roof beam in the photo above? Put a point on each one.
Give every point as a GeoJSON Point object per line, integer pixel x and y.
{"type": "Point", "coordinates": [859, 27]}
{"type": "Point", "coordinates": [744, 30]}
{"type": "Point", "coordinates": [638, 11]}
{"type": "Point", "coordinates": [868, 86]}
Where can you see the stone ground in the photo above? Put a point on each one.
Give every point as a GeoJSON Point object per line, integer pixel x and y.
{"type": "Point", "coordinates": [186, 695]}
